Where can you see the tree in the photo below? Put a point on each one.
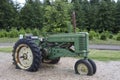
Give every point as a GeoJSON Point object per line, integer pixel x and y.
{"type": "Point", "coordinates": [47, 2]}
{"type": "Point", "coordinates": [105, 18]}
{"type": "Point", "coordinates": [56, 16]}
{"type": "Point", "coordinates": [31, 15]}
{"type": "Point", "coordinates": [80, 18]}
{"type": "Point", "coordinates": [86, 7]}
{"type": "Point", "coordinates": [93, 13]}
{"type": "Point", "coordinates": [94, 2]}
{"type": "Point", "coordinates": [117, 18]}
{"type": "Point", "coordinates": [7, 14]}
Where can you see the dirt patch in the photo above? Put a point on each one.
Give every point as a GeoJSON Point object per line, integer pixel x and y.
{"type": "Point", "coordinates": [64, 70]}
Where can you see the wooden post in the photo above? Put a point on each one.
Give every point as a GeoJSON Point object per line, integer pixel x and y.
{"type": "Point", "coordinates": [74, 20]}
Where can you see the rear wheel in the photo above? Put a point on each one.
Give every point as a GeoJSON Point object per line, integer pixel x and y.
{"type": "Point", "coordinates": [26, 55]}
{"type": "Point", "coordinates": [83, 67]}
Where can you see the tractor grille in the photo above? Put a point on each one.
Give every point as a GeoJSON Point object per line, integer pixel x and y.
{"type": "Point", "coordinates": [83, 43]}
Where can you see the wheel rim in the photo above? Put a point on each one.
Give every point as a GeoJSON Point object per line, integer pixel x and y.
{"type": "Point", "coordinates": [82, 69]}
{"type": "Point", "coordinates": [24, 56]}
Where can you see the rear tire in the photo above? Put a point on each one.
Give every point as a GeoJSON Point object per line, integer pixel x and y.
{"type": "Point", "coordinates": [26, 55]}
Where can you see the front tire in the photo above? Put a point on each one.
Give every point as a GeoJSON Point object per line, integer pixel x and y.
{"type": "Point", "coordinates": [26, 55]}
{"type": "Point", "coordinates": [93, 65]}
{"type": "Point", "coordinates": [83, 67]}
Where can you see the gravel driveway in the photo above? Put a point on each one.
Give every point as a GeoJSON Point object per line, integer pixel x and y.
{"type": "Point", "coordinates": [61, 71]}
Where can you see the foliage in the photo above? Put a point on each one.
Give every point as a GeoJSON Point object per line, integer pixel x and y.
{"type": "Point", "coordinates": [56, 16]}
{"type": "Point", "coordinates": [13, 33]}
{"type": "Point", "coordinates": [35, 32]}
{"type": "Point", "coordinates": [105, 18]}
{"type": "Point", "coordinates": [103, 37]}
{"type": "Point", "coordinates": [22, 31]}
{"type": "Point", "coordinates": [31, 15]}
{"type": "Point", "coordinates": [7, 14]}
{"type": "Point", "coordinates": [118, 36]}
{"type": "Point", "coordinates": [3, 33]}
{"type": "Point", "coordinates": [116, 28]}
{"type": "Point", "coordinates": [28, 30]}
{"type": "Point", "coordinates": [110, 36]}
{"type": "Point", "coordinates": [92, 35]}
{"type": "Point", "coordinates": [78, 8]}
{"type": "Point", "coordinates": [53, 15]}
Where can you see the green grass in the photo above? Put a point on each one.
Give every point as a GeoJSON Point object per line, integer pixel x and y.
{"type": "Point", "coordinates": [7, 49]}
{"type": "Point", "coordinates": [104, 55]}
{"type": "Point", "coordinates": [10, 40]}
{"type": "Point", "coordinates": [108, 42]}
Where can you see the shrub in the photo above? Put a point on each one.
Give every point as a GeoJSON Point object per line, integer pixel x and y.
{"type": "Point", "coordinates": [13, 33]}
{"type": "Point", "coordinates": [28, 30]}
{"type": "Point", "coordinates": [22, 31]}
{"type": "Point", "coordinates": [92, 35]}
{"type": "Point", "coordinates": [118, 37]}
{"type": "Point", "coordinates": [3, 33]}
{"type": "Point", "coordinates": [110, 36]}
{"type": "Point", "coordinates": [107, 33]}
{"type": "Point", "coordinates": [103, 36]}
{"type": "Point", "coordinates": [35, 32]}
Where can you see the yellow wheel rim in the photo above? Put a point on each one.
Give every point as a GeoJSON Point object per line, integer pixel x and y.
{"type": "Point", "coordinates": [24, 56]}
{"type": "Point", "coordinates": [82, 69]}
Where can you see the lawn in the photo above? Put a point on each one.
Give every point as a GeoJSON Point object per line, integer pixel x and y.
{"type": "Point", "coordinates": [6, 49]}
{"type": "Point", "coordinates": [104, 55]}
{"type": "Point", "coordinates": [107, 42]}
{"type": "Point", "coordinates": [9, 40]}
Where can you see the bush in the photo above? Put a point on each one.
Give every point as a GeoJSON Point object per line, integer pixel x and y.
{"type": "Point", "coordinates": [35, 32]}
{"type": "Point", "coordinates": [3, 33]}
{"type": "Point", "coordinates": [92, 35]}
{"type": "Point", "coordinates": [106, 35]}
{"type": "Point", "coordinates": [110, 36]}
{"type": "Point", "coordinates": [13, 33]}
{"type": "Point", "coordinates": [118, 37]}
{"type": "Point", "coordinates": [28, 30]}
{"type": "Point", "coordinates": [103, 36]}
{"type": "Point", "coordinates": [22, 31]}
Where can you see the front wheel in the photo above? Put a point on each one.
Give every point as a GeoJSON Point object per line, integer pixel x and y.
{"type": "Point", "coordinates": [26, 55]}
{"type": "Point", "coordinates": [83, 67]}
{"type": "Point", "coordinates": [93, 65]}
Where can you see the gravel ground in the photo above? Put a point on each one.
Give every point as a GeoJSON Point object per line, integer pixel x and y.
{"type": "Point", "coordinates": [62, 71]}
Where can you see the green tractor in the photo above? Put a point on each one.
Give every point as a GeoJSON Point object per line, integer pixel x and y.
{"type": "Point", "coordinates": [30, 51]}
